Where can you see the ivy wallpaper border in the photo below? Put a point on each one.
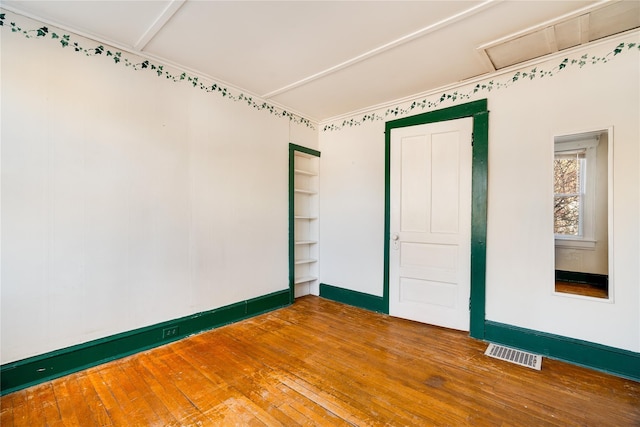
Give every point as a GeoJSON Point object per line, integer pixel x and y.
{"type": "Point", "coordinates": [494, 84]}
{"type": "Point", "coordinates": [120, 58]}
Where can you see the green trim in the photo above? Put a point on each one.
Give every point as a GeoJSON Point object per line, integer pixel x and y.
{"type": "Point", "coordinates": [35, 370]}
{"type": "Point", "coordinates": [305, 150]}
{"type": "Point", "coordinates": [479, 187]}
{"type": "Point", "coordinates": [601, 280]}
{"type": "Point", "coordinates": [354, 298]}
{"type": "Point", "coordinates": [292, 245]}
{"type": "Point", "coordinates": [451, 113]}
{"type": "Point", "coordinates": [387, 211]}
{"type": "Point", "coordinates": [477, 110]}
{"type": "Point", "coordinates": [611, 360]}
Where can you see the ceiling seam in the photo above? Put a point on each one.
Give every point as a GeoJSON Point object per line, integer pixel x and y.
{"type": "Point", "coordinates": [552, 22]}
{"type": "Point", "coordinates": [584, 28]}
{"type": "Point", "coordinates": [385, 47]}
{"type": "Point", "coordinates": [160, 60]}
{"type": "Point", "coordinates": [129, 49]}
{"type": "Point", "coordinates": [77, 32]}
{"type": "Point", "coordinates": [158, 24]}
{"type": "Point", "coordinates": [550, 37]}
{"type": "Point", "coordinates": [474, 80]}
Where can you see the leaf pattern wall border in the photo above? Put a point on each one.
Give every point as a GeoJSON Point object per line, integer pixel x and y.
{"type": "Point", "coordinates": [119, 57]}
{"type": "Point", "coordinates": [465, 94]}
{"type": "Point", "coordinates": [391, 112]}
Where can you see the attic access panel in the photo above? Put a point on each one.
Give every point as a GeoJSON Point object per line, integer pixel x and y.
{"type": "Point", "coordinates": [598, 23]}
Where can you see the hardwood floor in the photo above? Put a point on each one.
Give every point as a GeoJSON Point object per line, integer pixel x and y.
{"type": "Point", "coordinates": [581, 289]}
{"type": "Point", "coordinates": [318, 362]}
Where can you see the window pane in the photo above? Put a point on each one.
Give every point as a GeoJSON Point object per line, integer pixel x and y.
{"type": "Point", "coordinates": [566, 172]}
{"type": "Point", "coordinates": [567, 215]}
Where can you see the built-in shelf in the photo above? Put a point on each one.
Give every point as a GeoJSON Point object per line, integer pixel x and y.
{"type": "Point", "coordinates": [305, 261]}
{"type": "Point", "coordinates": [304, 279]}
{"type": "Point", "coordinates": [304, 239]}
{"type": "Point", "coordinates": [305, 172]}
{"type": "Point", "coordinates": [304, 191]}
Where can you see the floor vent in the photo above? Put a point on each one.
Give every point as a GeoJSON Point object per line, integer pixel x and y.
{"type": "Point", "coordinates": [512, 355]}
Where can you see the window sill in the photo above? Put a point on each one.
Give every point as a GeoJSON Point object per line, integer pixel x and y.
{"type": "Point", "coordinates": [569, 243]}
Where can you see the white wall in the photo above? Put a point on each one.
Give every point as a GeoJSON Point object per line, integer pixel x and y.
{"type": "Point", "coordinates": [524, 118]}
{"type": "Point", "coordinates": [129, 200]}
{"type": "Point", "coordinates": [352, 208]}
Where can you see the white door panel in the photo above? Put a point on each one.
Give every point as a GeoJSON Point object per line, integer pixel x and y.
{"type": "Point", "coordinates": [429, 259]}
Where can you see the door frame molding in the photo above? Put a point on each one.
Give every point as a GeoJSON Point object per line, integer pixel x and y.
{"type": "Point", "coordinates": [479, 174]}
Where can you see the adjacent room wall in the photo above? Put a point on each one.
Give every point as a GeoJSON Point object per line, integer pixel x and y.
{"type": "Point", "coordinates": [129, 199]}
{"type": "Point", "coordinates": [594, 260]}
{"type": "Point", "coordinates": [525, 114]}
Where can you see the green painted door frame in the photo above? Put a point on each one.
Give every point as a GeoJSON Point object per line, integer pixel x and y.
{"type": "Point", "coordinates": [608, 359]}
{"type": "Point", "coordinates": [292, 241]}
{"type": "Point", "coordinates": [478, 111]}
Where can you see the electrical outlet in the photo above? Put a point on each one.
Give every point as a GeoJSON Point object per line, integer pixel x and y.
{"type": "Point", "coordinates": [172, 332]}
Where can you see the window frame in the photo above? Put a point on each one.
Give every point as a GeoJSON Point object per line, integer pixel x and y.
{"type": "Point", "coordinates": [586, 237]}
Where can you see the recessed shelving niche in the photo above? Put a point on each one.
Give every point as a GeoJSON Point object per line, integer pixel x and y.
{"type": "Point", "coordinates": [304, 217]}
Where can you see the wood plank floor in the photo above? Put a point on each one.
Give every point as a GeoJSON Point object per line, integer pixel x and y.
{"type": "Point", "coordinates": [581, 289]}
{"type": "Point", "coordinates": [318, 362]}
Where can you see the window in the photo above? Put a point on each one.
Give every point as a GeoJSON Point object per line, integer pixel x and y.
{"type": "Point", "coordinates": [569, 192]}
{"type": "Point", "coordinates": [574, 170]}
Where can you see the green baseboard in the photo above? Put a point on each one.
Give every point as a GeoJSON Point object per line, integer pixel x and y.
{"type": "Point", "coordinates": [600, 280]}
{"type": "Point", "coordinates": [619, 362]}
{"type": "Point", "coordinates": [357, 299]}
{"type": "Point", "coordinates": [34, 370]}
{"type": "Point", "coordinates": [611, 360]}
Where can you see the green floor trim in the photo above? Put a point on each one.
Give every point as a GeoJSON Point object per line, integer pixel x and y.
{"type": "Point", "coordinates": [601, 280]}
{"type": "Point", "coordinates": [623, 363]}
{"type": "Point", "coordinates": [354, 298]}
{"type": "Point", "coordinates": [34, 370]}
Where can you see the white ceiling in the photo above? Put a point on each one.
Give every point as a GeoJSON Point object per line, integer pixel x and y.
{"type": "Point", "coordinates": [321, 59]}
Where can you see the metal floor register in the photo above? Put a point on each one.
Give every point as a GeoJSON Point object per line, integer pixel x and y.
{"type": "Point", "coordinates": [519, 357]}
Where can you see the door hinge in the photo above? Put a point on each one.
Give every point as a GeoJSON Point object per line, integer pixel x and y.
{"type": "Point", "coordinates": [472, 138]}
{"type": "Point", "coordinates": [469, 304]}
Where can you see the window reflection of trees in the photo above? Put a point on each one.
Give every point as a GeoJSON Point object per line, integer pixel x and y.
{"type": "Point", "coordinates": [568, 193]}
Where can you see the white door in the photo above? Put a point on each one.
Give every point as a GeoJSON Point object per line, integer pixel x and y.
{"type": "Point", "coordinates": [430, 247]}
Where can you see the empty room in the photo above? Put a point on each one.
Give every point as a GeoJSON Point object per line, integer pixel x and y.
{"type": "Point", "coordinates": [329, 213]}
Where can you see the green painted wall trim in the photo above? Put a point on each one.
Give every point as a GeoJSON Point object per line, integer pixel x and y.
{"type": "Point", "coordinates": [468, 109]}
{"type": "Point", "coordinates": [354, 298]}
{"type": "Point", "coordinates": [292, 241]}
{"type": "Point", "coordinates": [601, 280]}
{"type": "Point", "coordinates": [479, 187]}
{"type": "Point", "coordinates": [34, 370]}
{"type": "Point", "coordinates": [611, 360]}
{"type": "Point", "coordinates": [306, 150]}
{"type": "Point", "coordinates": [479, 183]}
